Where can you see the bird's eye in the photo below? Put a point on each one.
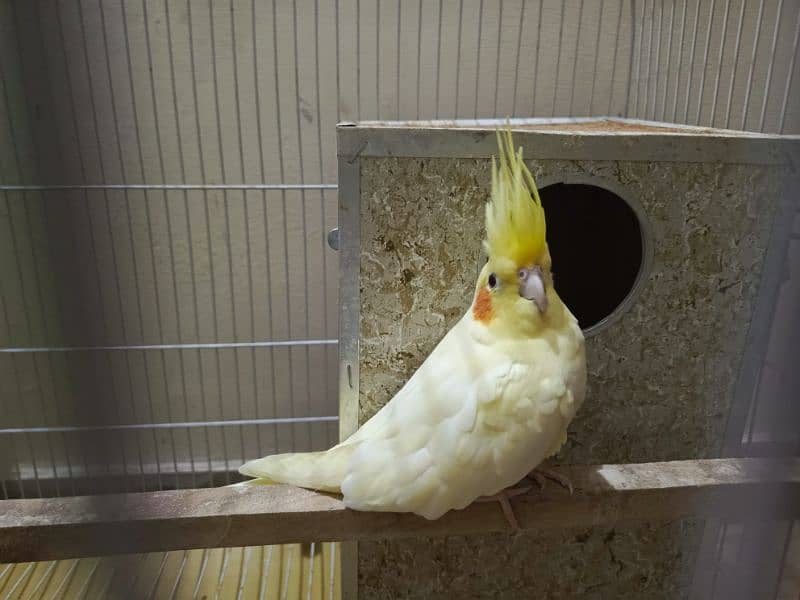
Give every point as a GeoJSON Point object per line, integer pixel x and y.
{"type": "Point", "coordinates": [522, 274]}
{"type": "Point", "coordinates": [492, 280]}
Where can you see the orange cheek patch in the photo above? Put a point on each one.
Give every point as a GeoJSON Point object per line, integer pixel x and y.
{"type": "Point", "coordinates": [482, 309]}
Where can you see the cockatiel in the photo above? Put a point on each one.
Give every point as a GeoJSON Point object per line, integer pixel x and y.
{"type": "Point", "coordinates": [491, 402]}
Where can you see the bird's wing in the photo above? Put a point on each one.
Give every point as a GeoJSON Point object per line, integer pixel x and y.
{"type": "Point", "coordinates": [432, 448]}
{"type": "Point", "coordinates": [440, 399]}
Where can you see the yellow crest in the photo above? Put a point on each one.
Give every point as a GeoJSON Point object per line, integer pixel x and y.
{"type": "Point", "coordinates": [515, 225]}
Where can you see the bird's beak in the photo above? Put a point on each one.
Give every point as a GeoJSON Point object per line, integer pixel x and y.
{"type": "Point", "coordinates": [531, 287]}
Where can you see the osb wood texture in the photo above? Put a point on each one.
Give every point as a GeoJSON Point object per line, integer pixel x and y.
{"type": "Point", "coordinates": [660, 380]}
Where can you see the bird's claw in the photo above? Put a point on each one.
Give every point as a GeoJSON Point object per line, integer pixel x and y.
{"type": "Point", "coordinates": [541, 474]}
{"type": "Point", "coordinates": [503, 497]}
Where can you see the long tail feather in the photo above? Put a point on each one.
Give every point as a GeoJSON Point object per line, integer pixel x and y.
{"type": "Point", "coordinates": [314, 470]}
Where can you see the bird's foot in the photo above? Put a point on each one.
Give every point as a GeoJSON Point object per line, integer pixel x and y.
{"type": "Point", "coordinates": [503, 497]}
{"type": "Point", "coordinates": [541, 474]}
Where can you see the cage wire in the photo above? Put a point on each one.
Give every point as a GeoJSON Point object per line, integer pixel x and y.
{"type": "Point", "coordinates": [168, 177]}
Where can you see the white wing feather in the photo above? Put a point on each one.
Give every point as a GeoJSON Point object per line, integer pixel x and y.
{"type": "Point", "coordinates": [472, 420]}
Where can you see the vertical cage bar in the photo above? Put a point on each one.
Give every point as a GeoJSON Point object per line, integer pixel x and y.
{"type": "Point", "coordinates": [419, 61]}
{"type": "Point", "coordinates": [225, 203]}
{"type": "Point", "coordinates": [176, 299]}
{"type": "Point", "coordinates": [657, 70]}
{"type": "Point", "coordinates": [261, 167]}
{"type": "Point", "coordinates": [478, 47]}
{"type": "Point", "coordinates": [597, 57]}
{"type": "Point", "coordinates": [558, 59]}
{"type": "Point", "coordinates": [670, 31]}
{"type": "Point", "coordinates": [377, 56]}
{"type": "Point", "coordinates": [338, 75]}
{"type": "Point", "coordinates": [212, 279]}
{"type": "Point", "coordinates": [753, 405]}
{"type": "Point", "coordinates": [248, 243]}
{"type": "Point", "coordinates": [632, 107]}
{"type": "Point", "coordinates": [283, 207]}
{"type": "Point", "coordinates": [322, 207]}
{"type": "Point", "coordinates": [306, 316]}
{"type": "Point", "coordinates": [717, 555]}
{"type": "Point", "coordinates": [536, 58]}
{"type": "Point", "coordinates": [614, 61]}
{"type": "Point", "coordinates": [248, 257]}
{"type": "Point", "coordinates": [643, 112]}
{"type": "Point", "coordinates": [680, 60]}
{"type": "Point", "coordinates": [718, 75]}
{"type": "Point", "coordinates": [358, 56]}
{"type": "Point", "coordinates": [735, 68]}
{"type": "Point", "coordinates": [458, 56]}
{"type": "Point", "coordinates": [695, 28]}
{"type": "Point", "coordinates": [575, 60]}
{"type": "Point", "coordinates": [439, 59]}
{"type": "Point", "coordinates": [770, 66]}
{"type": "Point", "coordinates": [784, 104]}
{"type": "Point", "coordinates": [705, 63]}
{"type": "Point", "coordinates": [516, 59]}
{"type": "Point", "coordinates": [7, 99]}
{"type": "Point", "coordinates": [397, 61]}
{"type": "Point", "coordinates": [497, 60]}
{"type": "Point", "coordinates": [162, 170]}
{"type": "Point", "coordinates": [751, 70]}
{"type": "Point", "coordinates": [641, 80]}
{"type": "Point", "coordinates": [226, 211]}
{"type": "Point", "coordinates": [784, 560]}
{"type": "Point", "coordinates": [745, 527]}
{"type": "Point", "coordinates": [137, 287]}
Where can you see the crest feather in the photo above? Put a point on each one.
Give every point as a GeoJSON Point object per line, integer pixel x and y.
{"type": "Point", "coordinates": [515, 224]}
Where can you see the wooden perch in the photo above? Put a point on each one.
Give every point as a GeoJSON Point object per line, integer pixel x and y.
{"type": "Point", "coordinates": [56, 528]}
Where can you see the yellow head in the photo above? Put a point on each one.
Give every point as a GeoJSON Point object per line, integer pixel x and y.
{"type": "Point", "coordinates": [515, 288]}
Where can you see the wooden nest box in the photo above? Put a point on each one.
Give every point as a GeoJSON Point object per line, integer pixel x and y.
{"type": "Point", "coordinates": [668, 244]}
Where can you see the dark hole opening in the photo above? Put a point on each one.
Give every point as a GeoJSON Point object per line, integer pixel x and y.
{"type": "Point", "coordinates": [595, 242]}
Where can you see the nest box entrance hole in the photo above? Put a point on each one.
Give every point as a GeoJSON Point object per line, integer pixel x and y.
{"type": "Point", "coordinates": [596, 243]}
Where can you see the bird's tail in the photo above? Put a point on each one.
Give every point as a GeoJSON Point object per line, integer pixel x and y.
{"type": "Point", "coordinates": [322, 471]}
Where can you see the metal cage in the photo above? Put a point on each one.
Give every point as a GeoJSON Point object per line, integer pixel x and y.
{"type": "Point", "coordinates": [168, 301]}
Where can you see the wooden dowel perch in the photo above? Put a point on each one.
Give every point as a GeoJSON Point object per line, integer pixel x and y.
{"type": "Point", "coordinates": [56, 528]}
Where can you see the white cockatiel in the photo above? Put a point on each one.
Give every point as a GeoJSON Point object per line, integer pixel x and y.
{"type": "Point", "coordinates": [491, 402]}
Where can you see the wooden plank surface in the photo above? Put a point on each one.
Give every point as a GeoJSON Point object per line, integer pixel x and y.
{"type": "Point", "coordinates": [55, 528]}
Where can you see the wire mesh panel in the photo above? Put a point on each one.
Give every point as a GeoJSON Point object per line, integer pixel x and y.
{"type": "Point", "coordinates": [164, 310]}
{"type": "Point", "coordinates": [725, 64]}
{"type": "Point", "coordinates": [176, 331]}
{"type": "Point", "coordinates": [167, 170]}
